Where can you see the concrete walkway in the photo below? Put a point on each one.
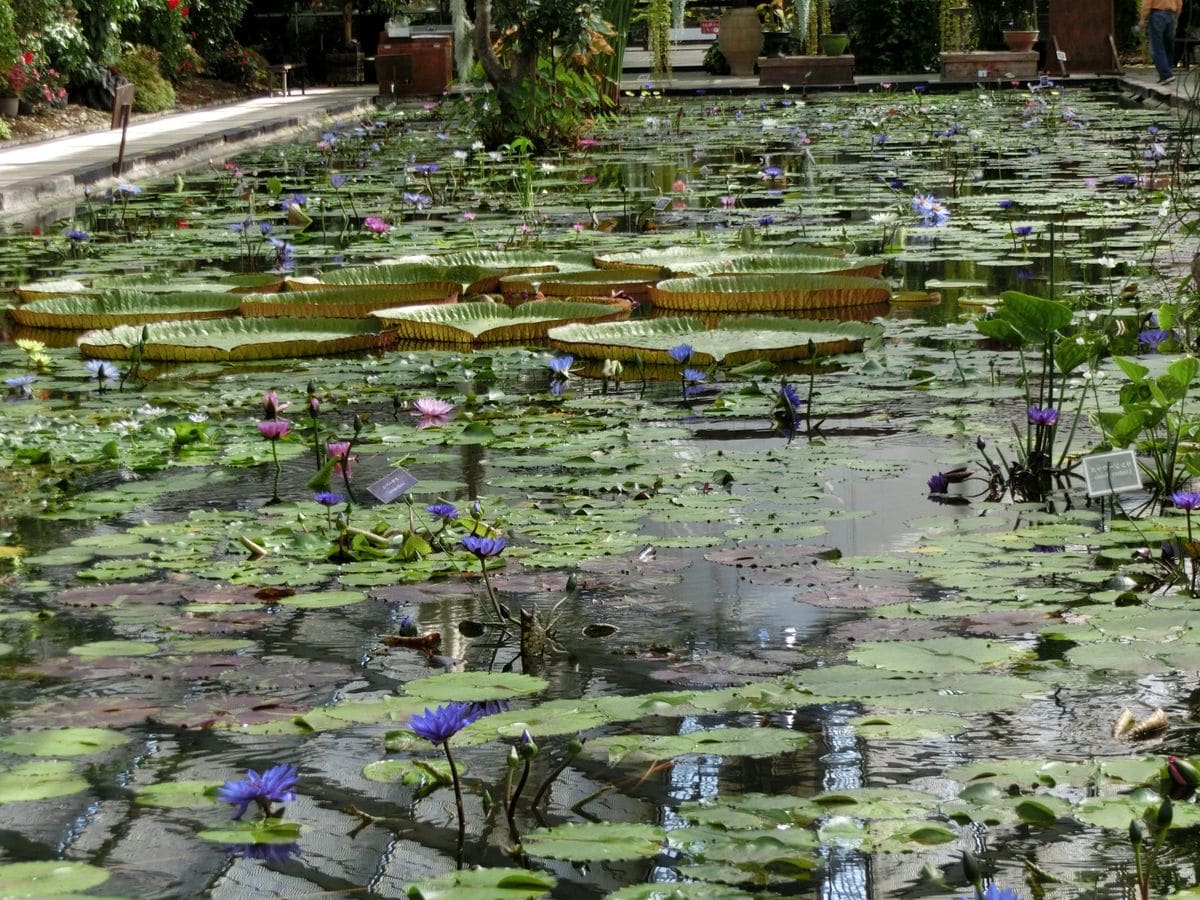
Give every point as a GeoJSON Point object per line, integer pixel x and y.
{"type": "Point", "coordinates": [39, 174]}
{"type": "Point", "coordinates": [36, 178]}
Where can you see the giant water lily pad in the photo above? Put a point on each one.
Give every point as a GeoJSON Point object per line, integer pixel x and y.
{"type": "Point", "coordinates": [686, 259]}
{"type": "Point", "coordinates": [733, 341]}
{"type": "Point", "coordinates": [236, 339]}
{"type": "Point", "coordinates": [781, 261]}
{"type": "Point", "coordinates": [601, 283]}
{"type": "Point", "coordinates": [108, 309]}
{"type": "Point", "coordinates": [479, 270]}
{"type": "Point", "coordinates": [349, 303]}
{"type": "Point", "coordinates": [472, 323]}
{"type": "Point", "coordinates": [768, 292]}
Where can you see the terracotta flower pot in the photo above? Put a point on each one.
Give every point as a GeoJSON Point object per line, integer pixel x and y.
{"type": "Point", "coordinates": [740, 39]}
{"type": "Point", "coordinates": [9, 107]}
{"type": "Point", "coordinates": [1020, 41]}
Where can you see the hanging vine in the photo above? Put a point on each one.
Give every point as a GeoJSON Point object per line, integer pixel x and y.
{"type": "Point", "coordinates": [957, 29]}
{"type": "Point", "coordinates": [658, 36]}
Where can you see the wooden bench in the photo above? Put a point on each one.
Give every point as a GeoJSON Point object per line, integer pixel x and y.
{"type": "Point", "coordinates": [281, 70]}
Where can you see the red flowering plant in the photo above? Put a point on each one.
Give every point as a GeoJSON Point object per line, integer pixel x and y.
{"type": "Point", "coordinates": [37, 85]}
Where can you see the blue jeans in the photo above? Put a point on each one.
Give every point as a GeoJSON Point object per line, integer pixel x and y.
{"type": "Point", "coordinates": [1161, 33]}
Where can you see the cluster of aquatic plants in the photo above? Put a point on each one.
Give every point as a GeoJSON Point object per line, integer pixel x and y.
{"type": "Point", "coordinates": [610, 501]}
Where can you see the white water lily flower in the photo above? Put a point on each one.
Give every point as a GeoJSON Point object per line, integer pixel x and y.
{"type": "Point", "coordinates": [1109, 262]}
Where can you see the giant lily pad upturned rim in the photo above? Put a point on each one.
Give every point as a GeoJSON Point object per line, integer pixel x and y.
{"type": "Point", "coordinates": [733, 341]}
{"type": "Point", "coordinates": [108, 309]}
{"type": "Point", "coordinates": [593, 282]}
{"type": "Point", "coordinates": [479, 270]}
{"type": "Point", "coordinates": [808, 263]}
{"type": "Point", "coordinates": [237, 339]}
{"type": "Point", "coordinates": [475, 323]}
{"type": "Point", "coordinates": [767, 292]}
{"type": "Point", "coordinates": [676, 259]}
{"type": "Point", "coordinates": [348, 302]}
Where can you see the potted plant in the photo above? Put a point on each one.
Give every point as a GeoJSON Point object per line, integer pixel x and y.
{"type": "Point", "coordinates": [1020, 30]}
{"type": "Point", "coordinates": [778, 21]}
{"type": "Point", "coordinates": [10, 53]}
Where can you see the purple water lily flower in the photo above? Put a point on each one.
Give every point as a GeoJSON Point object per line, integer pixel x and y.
{"type": "Point", "coordinates": [328, 498]}
{"type": "Point", "coordinates": [560, 366]}
{"type": "Point", "coordinates": [1046, 416]}
{"type": "Point", "coordinates": [439, 725]}
{"type": "Point", "coordinates": [483, 547]}
{"type": "Point", "coordinates": [272, 786]}
{"type": "Point", "coordinates": [1186, 500]}
{"type": "Point", "coordinates": [1152, 337]}
{"type": "Point", "coordinates": [102, 370]}
{"type": "Point", "coordinates": [681, 353]}
{"type": "Point", "coordinates": [938, 483]}
{"type": "Point", "coordinates": [76, 236]}
{"type": "Point", "coordinates": [443, 511]}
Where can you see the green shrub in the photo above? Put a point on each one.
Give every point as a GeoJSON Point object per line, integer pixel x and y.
{"type": "Point", "coordinates": [142, 66]}
{"type": "Point", "coordinates": [241, 65]}
{"type": "Point", "coordinates": [162, 28]}
{"type": "Point", "coordinates": [894, 36]}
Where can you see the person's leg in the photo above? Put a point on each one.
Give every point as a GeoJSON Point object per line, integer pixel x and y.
{"type": "Point", "coordinates": [1160, 22]}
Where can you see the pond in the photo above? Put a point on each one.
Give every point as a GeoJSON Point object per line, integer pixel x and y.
{"type": "Point", "coordinates": [787, 624]}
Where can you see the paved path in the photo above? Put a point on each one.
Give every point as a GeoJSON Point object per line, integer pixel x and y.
{"type": "Point", "coordinates": [34, 177]}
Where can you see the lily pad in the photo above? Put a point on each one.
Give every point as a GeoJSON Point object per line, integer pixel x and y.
{"type": "Point", "coordinates": [480, 686]}
{"type": "Point", "coordinates": [595, 841]}
{"type": "Point", "coordinates": [51, 878]}
{"type": "Point", "coordinates": [178, 794]}
{"type": "Point", "coordinates": [236, 339]}
{"type": "Point", "coordinates": [63, 742]}
{"type": "Point", "coordinates": [348, 303]}
{"type": "Point", "coordinates": [39, 780]}
{"type": "Point", "coordinates": [478, 323]}
{"type": "Point", "coordinates": [483, 884]}
{"type": "Point", "coordinates": [733, 341]}
{"type": "Point", "coordinates": [768, 293]}
{"type": "Point", "coordinates": [751, 742]}
{"type": "Point", "coordinates": [108, 309]}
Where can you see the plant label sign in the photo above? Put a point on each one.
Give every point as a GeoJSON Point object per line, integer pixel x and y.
{"type": "Point", "coordinates": [710, 26]}
{"type": "Point", "coordinates": [1111, 473]}
{"type": "Point", "coordinates": [392, 485]}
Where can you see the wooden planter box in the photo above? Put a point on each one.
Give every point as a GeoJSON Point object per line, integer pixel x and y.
{"type": "Point", "coordinates": [801, 70]}
{"type": "Point", "coordinates": [989, 65]}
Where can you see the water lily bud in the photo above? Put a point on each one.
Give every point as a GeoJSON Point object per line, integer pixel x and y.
{"type": "Point", "coordinates": [1183, 772]}
{"type": "Point", "coordinates": [513, 758]}
{"type": "Point", "coordinates": [526, 747]}
{"type": "Point", "coordinates": [574, 747]}
{"type": "Point", "coordinates": [980, 444]}
{"type": "Point", "coordinates": [488, 802]}
{"type": "Point", "coordinates": [358, 425]}
{"type": "Point", "coordinates": [970, 864]}
{"type": "Point", "coordinates": [1137, 833]}
{"type": "Point", "coordinates": [1166, 812]}
{"type": "Point", "coordinates": [572, 582]}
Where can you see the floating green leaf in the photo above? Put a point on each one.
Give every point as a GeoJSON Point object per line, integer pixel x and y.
{"type": "Point", "coordinates": [62, 742]}
{"type": "Point", "coordinates": [483, 884]}
{"type": "Point", "coordinates": [595, 841]}
{"type": "Point", "coordinates": [52, 878]}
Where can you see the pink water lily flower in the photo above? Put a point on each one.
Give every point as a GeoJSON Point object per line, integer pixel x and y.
{"type": "Point", "coordinates": [339, 450]}
{"type": "Point", "coordinates": [432, 406]}
{"type": "Point", "coordinates": [432, 412]}
{"type": "Point", "coordinates": [274, 429]}
{"type": "Point", "coordinates": [376, 225]}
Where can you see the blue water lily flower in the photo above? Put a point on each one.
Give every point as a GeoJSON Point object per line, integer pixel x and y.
{"type": "Point", "coordinates": [483, 547]}
{"type": "Point", "coordinates": [681, 353]}
{"type": "Point", "coordinates": [273, 786]}
{"type": "Point", "coordinates": [439, 725]}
